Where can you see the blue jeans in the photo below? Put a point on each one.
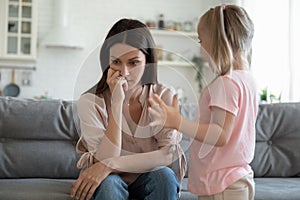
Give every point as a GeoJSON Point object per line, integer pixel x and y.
{"type": "Point", "coordinates": [160, 184]}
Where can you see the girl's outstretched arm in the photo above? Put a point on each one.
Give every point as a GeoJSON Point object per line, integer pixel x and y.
{"type": "Point", "coordinates": [217, 132]}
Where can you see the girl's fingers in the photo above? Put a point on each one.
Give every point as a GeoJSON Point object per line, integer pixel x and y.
{"type": "Point", "coordinates": [154, 113]}
{"type": "Point", "coordinates": [175, 101]}
{"type": "Point", "coordinates": [151, 102]}
{"type": "Point", "coordinates": [154, 123]}
{"type": "Point", "coordinates": [159, 100]}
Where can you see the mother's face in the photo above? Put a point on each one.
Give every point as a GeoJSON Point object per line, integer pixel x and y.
{"type": "Point", "coordinates": [129, 61]}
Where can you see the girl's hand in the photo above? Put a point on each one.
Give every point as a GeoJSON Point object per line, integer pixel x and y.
{"type": "Point", "coordinates": [86, 184]}
{"type": "Point", "coordinates": [117, 84]}
{"type": "Point", "coordinates": [164, 115]}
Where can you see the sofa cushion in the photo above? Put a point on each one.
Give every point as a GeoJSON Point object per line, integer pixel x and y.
{"type": "Point", "coordinates": [185, 194]}
{"type": "Point", "coordinates": [277, 141]}
{"type": "Point", "coordinates": [277, 188]}
{"type": "Point", "coordinates": [35, 189]}
{"type": "Point", "coordinates": [37, 138]}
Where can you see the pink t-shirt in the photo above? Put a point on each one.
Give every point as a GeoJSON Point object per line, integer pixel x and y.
{"type": "Point", "coordinates": [212, 169]}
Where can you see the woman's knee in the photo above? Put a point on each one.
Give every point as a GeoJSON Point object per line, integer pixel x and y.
{"type": "Point", "coordinates": [111, 187]}
{"type": "Point", "coordinates": [165, 177]}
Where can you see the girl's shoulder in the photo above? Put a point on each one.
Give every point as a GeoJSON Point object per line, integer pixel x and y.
{"type": "Point", "coordinates": [234, 76]}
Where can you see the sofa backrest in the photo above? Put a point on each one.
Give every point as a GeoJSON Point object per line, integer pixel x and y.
{"type": "Point", "coordinates": [277, 151]}
{"type": "Point", "coordinates": [37, 138]}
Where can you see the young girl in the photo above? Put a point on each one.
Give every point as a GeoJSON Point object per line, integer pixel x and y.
{"type": "Point", "coordinates": [122, 156]}
{"type": "Point", "coordinates": [225, 134]}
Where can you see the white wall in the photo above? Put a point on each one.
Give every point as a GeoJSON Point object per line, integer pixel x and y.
{"type": "Point", "coordinates": [61, 71]}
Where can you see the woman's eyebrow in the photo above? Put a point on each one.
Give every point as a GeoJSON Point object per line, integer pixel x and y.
{"type": "Point", "coordinates": [133, 58]}
{"type": "Point", "coordinates": [136, 57]}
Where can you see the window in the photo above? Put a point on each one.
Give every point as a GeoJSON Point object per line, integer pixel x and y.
{"type": "Point", "coordinates": [275, 43]}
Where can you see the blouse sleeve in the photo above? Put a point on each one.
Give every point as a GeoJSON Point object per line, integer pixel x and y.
{"type": "Point", "coordinates": [93, 120]}
{"type": "Point", "coordinates": [168, 136]}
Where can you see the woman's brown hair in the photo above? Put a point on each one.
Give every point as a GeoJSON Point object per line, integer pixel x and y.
{"type": "Point", "coordinates": [133, 33]}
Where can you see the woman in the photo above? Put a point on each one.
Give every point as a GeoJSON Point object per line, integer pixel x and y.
{"type": "Point", "coordinates": [123, 157]}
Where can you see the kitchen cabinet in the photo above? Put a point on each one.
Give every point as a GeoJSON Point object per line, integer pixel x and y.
{"type": "Point", "coordinates": [172, 33]}
{"type": "Point", "coordinates": [169, 41]}
{"type": "Point", "coordinates": [18, 20]}
{"type": "Point", "coordinates": [176, 50]}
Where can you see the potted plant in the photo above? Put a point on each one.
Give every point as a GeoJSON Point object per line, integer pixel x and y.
{"type": "Point", "coordinates": [199, 63]}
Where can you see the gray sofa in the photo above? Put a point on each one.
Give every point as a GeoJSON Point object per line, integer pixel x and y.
{"type": "Point", "coordinates": [38, 158]}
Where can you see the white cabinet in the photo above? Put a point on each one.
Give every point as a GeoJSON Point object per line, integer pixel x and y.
{"type": "Point", "coordinates": [172, 33]}
{"type": "Point", "coordinates": [174, 44]}
{"type": "Point", "coordinates": [18, 30]}
{"type": "Point", "coordinates": [176, 51]}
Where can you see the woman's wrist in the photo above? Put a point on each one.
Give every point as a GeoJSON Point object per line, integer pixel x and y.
{"type": "Point", "coordinates": [110, 164]}
{"type": "Point", "coordinates": [116, 108]}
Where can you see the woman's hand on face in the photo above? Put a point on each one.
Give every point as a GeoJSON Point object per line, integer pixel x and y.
{"type": "Point", "coordinates": [164, 115]}
{"type": "Point", "coordinates": [117, 84]}
{"type": "Point", "coordinates": [86, 184]}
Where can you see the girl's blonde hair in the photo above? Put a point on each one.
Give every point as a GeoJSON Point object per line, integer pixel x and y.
{"type": "Point", "coordinates": [231, 37]}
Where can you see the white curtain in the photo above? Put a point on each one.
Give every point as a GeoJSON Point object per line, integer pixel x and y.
{"type": "Point", "coordinates": [295, 50]}
{"type": "Point", "coordinates": [276, 46]}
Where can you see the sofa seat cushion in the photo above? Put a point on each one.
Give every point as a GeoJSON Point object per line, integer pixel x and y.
{"type": "Point", "coordinates": [277, 188]}
{"type": "Point", "coordinates": [265, 189]}
{"type": "Point", "coordinates": [35, 189]}
{"type": "Point", "coordinates": [185, 194]}
{"type": "Point", "coordinates": [50, 189]}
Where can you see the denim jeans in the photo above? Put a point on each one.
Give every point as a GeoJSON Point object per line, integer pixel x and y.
{"type": "Point", "coordinates": [160, 184]}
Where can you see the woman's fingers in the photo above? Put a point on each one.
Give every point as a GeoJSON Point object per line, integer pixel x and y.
{"type": "Point", "coordinates": [124, 83]}
{"type": "Point", "coordinates": [75, 187]}
{"type": "Point", "coordinates": [112, 74]}
{"type": "Point", "coordinates": [91, 191]}
{"type": "Point", "coordinates": [117, 84]}
{"type": "Point", "coordinates": [84, 187]}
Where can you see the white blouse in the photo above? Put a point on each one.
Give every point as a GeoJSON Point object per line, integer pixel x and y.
{"type": "Point", "coordinates": [93, 115]}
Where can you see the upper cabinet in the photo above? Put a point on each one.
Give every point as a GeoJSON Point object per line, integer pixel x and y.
{"type": "Point", "coordinates": [157, 32]}
{"type": "Point", "coordinates": [18, 29]}
{"type": "Point", "coordinates": [175, 48]}
{"type": "Point", "coordinates": [176, 52]}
